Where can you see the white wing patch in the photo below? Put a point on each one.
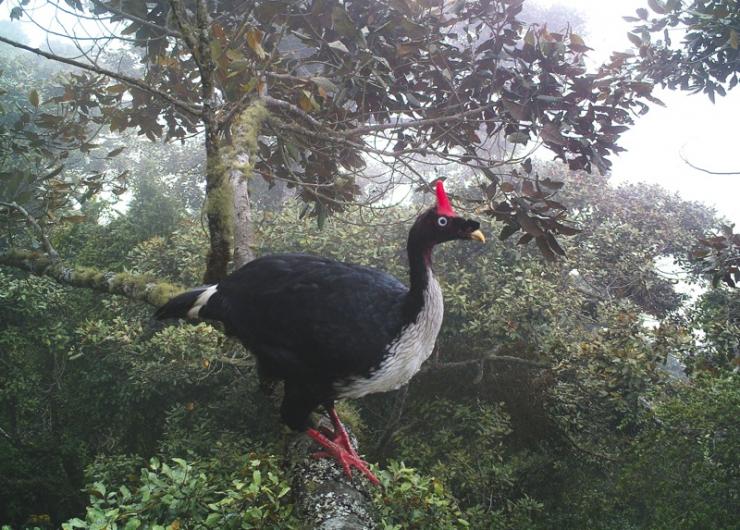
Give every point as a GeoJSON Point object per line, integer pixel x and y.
{"type": "Point", "coordinates": [406, 353]}
{"type": "Point", "coordinates": [201, 301]}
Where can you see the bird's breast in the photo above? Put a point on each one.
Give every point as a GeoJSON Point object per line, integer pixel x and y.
{"type": "Point", "coordinates": [406, 352]}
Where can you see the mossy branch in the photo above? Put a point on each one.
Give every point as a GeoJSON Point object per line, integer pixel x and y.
{"type": "Point", "coordinates": [137, 287]}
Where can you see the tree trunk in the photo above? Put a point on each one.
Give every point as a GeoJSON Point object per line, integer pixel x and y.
{"type": "Point", "coordinates": [219, 211]}
{"type": "Point", "coordinates": [325, 498]}
{"type": "Point", "coordinates": [229, 168]}
{"type": "Point", "coordinates": [243, 227]}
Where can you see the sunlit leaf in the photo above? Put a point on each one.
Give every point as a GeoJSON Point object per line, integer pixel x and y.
{"type": "Point", "coordinates": [339, 46]}
{"type": "Point", "coordinates": [254, 41]}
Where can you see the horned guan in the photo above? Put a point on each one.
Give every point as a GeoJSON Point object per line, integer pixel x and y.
{"type": "Point", "coordinates": [333, 330]}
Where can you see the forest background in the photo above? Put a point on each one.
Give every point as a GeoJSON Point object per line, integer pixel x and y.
{"type": "Point", "coordinates": [586, 373]}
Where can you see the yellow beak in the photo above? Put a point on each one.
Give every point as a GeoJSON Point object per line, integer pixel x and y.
{"type": "Point", "coordinates": [478, 236]}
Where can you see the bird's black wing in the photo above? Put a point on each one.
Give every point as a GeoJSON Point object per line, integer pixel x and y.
{"type": "Point", "coordinates": [301, 311]}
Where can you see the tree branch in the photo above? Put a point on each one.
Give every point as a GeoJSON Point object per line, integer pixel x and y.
{"type": "Point", "coordinates": [413, 123]}
{"type": "Point", "coordinates": [508, 359]}
{"type": "Point", "coordinates": [686, 160]}
{"type": "Point", "coordinates": [289, 107]}
{"type": "Point", "coordinates": [53, 255]}
{"type": "Point", "coordinates": [134, 287]}
{"type": "Point", "coordinates": [138, 83]}
{"type": "Point", "coordinates": [324, 496]}
{"type": "Point", "coordinates": [178, 13]}
{"type": "Point", "coordinates": [165, 30]}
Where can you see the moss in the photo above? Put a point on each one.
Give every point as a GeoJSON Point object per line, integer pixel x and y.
{"type": "Point", "coordinates": [87, 275]}
{"type": "Point", "coordinates": [246, 129]}
{"type": "Point", "coordinates": [162, 292]}
{"type": "Point", "coordinates": [220, 201]}
{"type": "Point", "coordinates": [350, 416]}
{"type": "Point", "coordinates": [121, 279]}
{"type": "Point", "coordinates": [15, 253]}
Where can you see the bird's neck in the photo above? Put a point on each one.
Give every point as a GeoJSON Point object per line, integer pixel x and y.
{"type": "Point", "coordinates": [420, 274]}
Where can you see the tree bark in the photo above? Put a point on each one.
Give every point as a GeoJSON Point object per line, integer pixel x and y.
{"type": "Point", "coordinates": [325, 498]}
{"type": "Point", "coordinates": [243, 227]}
{"type": "Point", "coordinates": [134, 287]}
{"type": "Point", "coordinates": [219, 212]}
{"type": "Point", "coordinates": [239, 159]}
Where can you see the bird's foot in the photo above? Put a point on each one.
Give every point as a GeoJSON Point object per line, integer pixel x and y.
{"type": "Point", "coordinates": [340, 449]}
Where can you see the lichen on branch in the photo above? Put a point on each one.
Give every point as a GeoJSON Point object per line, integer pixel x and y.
{"type": "Point", "coordinates": [137, 287]}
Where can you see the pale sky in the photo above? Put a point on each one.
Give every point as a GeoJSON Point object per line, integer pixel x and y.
{"type": "Point", "coordinates": [707, 134]}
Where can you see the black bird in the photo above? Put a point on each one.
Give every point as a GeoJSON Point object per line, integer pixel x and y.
{"type": "Point", "coordinates": [333, 330]}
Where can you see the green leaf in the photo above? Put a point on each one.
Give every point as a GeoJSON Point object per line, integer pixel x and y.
{"type": "Point", "coordinates": [635, 39]}
{"type": "Point", "coordinates": [116, 151]}
{"type": "Point", "coordinates": [33, 97]}
{"type": "Point", "coordinates": [657, 6]}
{"type": "Point", "coordinates": [518, 138]}
{"type": "Point", "coordinates": [529, 38]}
{"type": "Point", "coordinates": [212, 519]}
{"type": "Point", "coordinates": [339, 46]}
{"type": "Point", "coordinates": [324, 83]}
{"type": "Point", "coordinates": [132, 524]}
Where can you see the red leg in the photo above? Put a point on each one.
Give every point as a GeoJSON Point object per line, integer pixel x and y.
{"type": "Point", "coordinates": [340, 448]}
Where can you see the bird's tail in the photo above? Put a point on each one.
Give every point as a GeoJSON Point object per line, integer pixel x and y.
{"type": "Point", "coordinates": [187, 304]}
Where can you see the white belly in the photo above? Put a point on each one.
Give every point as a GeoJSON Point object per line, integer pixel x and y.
{"type": "Point", "coordinates": [406, 353]}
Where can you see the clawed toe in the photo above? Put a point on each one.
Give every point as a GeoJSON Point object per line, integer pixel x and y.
{"type": "Point", "coordinates": [347, 457]}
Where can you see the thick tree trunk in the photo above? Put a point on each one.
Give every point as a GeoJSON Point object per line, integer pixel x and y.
{"type": "Point", "coordinates": [229, 168]}
{"type": "Point", "coordinates": [325, 498]}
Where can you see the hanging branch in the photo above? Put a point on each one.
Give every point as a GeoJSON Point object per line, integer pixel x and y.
{"type": "Point", "coordinates": [688, 163]}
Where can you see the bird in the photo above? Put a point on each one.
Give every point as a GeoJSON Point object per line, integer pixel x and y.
{"type": "Point", "coordinates": [333, 330]}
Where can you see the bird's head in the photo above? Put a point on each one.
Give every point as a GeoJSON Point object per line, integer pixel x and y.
{"type": "Point", "coordinates": [440, 223]}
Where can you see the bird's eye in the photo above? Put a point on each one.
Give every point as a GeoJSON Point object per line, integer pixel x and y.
{"type": "Point", "coordinates": [442, 221]}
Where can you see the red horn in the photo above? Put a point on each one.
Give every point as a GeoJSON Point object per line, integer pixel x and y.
{"type": "Point", "coordinates": [443, 203]}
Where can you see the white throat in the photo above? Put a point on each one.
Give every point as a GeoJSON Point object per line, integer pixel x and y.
{"type": "Point", "coordinates": [413, 345]}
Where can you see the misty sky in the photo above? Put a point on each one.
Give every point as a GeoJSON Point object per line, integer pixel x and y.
{"type": "Point", "coordinates": [706, 134]}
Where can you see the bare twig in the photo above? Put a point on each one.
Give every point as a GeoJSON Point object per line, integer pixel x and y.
{"type": "Point", "coordinates": [507, 359]}
{"type": "Point", "coordinates": [50, 251]}
{"type": "Point", "coordinates": [164, 29]}
{"type": "Point", "coordinates": [394, 421]}
{"type": "Point", "coordinates": [686, 160]}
